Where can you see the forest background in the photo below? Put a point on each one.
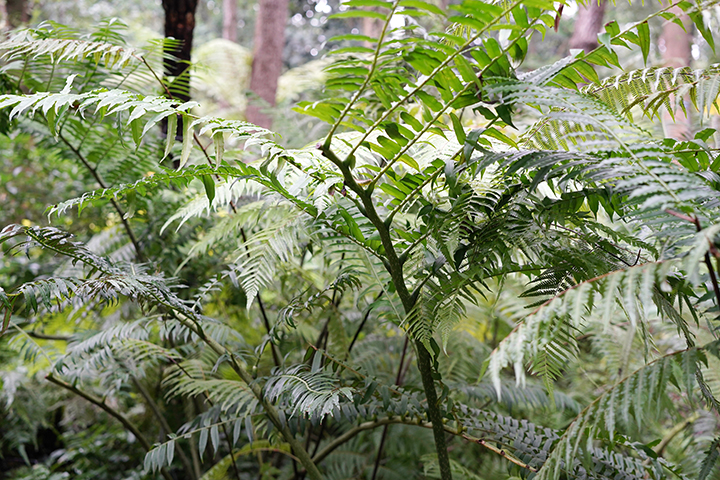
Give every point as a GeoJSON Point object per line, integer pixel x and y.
{"type": "Point", "coordinates": [100, 383]}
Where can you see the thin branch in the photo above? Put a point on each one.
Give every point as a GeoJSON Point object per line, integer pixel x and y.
{"type": "Point", "coordinates": [350, 434]}
{"type": "Point", "coordinates": [362, 324]}
{"type": "Point", "coordinates": [45, 336]}
{"type": "Point", "coordinates": [163, 422]}
{"type": "Point", "coordinates": [660, 447]}
{"type": "Point", "coordinates": [500, 452]}
{"type": "Point", "coordinates": [270, 410]}
{"type": "Point", "coordinates": [398, 381]}
{"type": "Point", "coordinates": [110, 411]}
{"type": "Point", "coordinates": [118, 209]}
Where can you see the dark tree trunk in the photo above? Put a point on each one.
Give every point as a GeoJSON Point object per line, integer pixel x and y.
{"type": "Point", "coordinates": [675, 45]}
{"type": "Point", "coordinates": [267, 57]}
{"type": "Point", "coordinates": [179, 24]}
{"type": "Point", "coordinates": [17, 12]}
{"type": "Point", "coordinates": [230, 20]}
{"type": "Point", "coordinates": [588, 23]}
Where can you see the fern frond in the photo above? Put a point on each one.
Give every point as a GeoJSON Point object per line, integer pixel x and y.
{"type": "Point", "coordinates": [306, 392]}
{"type": "Point", "coordinates": [631, 399]}
{"type": "Point", "coordinates": [188, 379]}
{"type": "Point", "coordinates": [225, 194]}
{"type": "Point", "coordinates": [26, 44]}
{"type": "Point", "coordinates": [259, 256]}
{"type": "Point", "coordinates": [631, 287]}
{"type": "Point", "coordinates": [710, 459]}
{"type": "Point", "coordinates": [656, 88]}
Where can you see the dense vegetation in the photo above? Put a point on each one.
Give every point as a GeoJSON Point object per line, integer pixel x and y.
{"type": "Point", "coordinates": [479, 271]}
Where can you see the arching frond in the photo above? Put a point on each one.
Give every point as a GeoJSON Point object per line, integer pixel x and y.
{"type": "Point", "coordinates": [631, 288]}
{"type": "Point", "coordinates": [630, 400]}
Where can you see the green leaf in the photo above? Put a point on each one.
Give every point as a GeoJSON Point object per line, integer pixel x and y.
{"type": "Point", "coordinates": [219, 141]}
{"type": "Point", "coordinates": [368, 3]}
{"type": "Point", "coordinates": [498, 135]}
{"type": "Point", "coordinates": [359, 14]}
{"type": "Point", "coordinates": [136, 131]}
{"type": "Point", "coordinates": [131, 204]}
{"type": "Point", "coordinates": [450, 174]}
{"type": "Point", "coordinates": [6, 320]}
{"type": "Point", "coordinates": [352, 37]}
{"type": "Point", "coordinates": [459, 130]}
{"type": "Point", "coordinates": [352, 226]}
{"type": "Point", "coordinates": [412, 121]}
{"type": "Point", "coordinates": [604, 39]}
{"type": "Point", "coordinates": [209, 184]}
{"type": "Point", "coordinates": [431, 102]}
{"type": "Point", "coordinates": [644, 38]}
{"type": "Point", "coordinates": [188, 138]}
{"type": "Point", "coordinates": [419, 4]}
{"type": "Point", "coordinates": [51, 117]}
{"type": "Point", "coordinates": [170, 137]}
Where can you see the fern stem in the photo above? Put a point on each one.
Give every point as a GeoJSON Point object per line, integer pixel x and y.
{"type": "Point", "coordinates": [660, 447]}
{"type": "Point", "coordinates": [395, 268]}
{"type": "Point", "coordinates": [362, 88]}
{"type": "Point", "coordinates": [711, 270]}
{"type": "Point", "coordinates": [713, 278]}
{"type": "Point", "coordinates": [273, 348]}
{"type": "Point", "coordinates": [110, 411]}
{"type": "Point", "coordinates": [45, 336]}
{"type": "Point", "coordinates": [709, 265]}
{"type": "Point", "coordinates": [362, 324]}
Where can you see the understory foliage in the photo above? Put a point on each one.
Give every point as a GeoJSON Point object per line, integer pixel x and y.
{"type": "Point", "coordinates": [479, 272]}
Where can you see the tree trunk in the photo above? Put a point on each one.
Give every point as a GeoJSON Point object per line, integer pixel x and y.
{"type": "Point", "coordinates": [230, 20]}
{"type": "Point", "coordinates": [588, 23]}
{"type": "Point", "coordinates": [267, 57]}
{"type": "Point", "coordinates": [675, 45]}
{"type": "Point", "coordinates": [179, 24]}
{"type": "Point", "coordinates": [17, 13]}
{"type": "Point", "coordinates": [372, 27]}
